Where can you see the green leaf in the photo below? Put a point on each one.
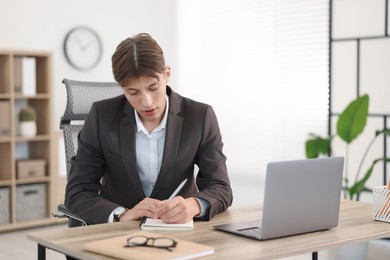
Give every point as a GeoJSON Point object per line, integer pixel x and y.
{"type": "Point", "coordinates": [352, 120]}
{"type": "Point", "coordinates": [385, 131]}
{"type": "Point", "coordinates": [317, 146]}
{"type": "Point", "coordinates": [359, 186]}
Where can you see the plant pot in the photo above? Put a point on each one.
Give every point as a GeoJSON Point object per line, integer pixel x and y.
{"type": "Point", "coordinates": [28, 128]}
{"type": "Point", "coordinates": [356, 251]}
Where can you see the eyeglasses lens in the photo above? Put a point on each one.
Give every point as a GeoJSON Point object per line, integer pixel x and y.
{"type": "Point", "coordinates": [137, 241]}
{"type": "Point", "coordinates": [163, 242]}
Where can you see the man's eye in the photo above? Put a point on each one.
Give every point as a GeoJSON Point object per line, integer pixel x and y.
{"type": "Point", "coordinates": [132, 93]}
{"type": "Point", "coordinates": [154, 88]}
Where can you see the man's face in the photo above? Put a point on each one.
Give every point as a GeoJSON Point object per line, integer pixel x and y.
{"type": "Point", "coordinates": [147, 95]}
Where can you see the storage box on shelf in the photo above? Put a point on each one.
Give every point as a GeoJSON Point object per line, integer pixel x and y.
{"type": "Point", "coordinates": [31, 202]}
{"type": "Point", "coordinates": [30, 169]}
{"type": "Point", "coordinates": [28, 195]}
{"type": "Point", "coordinates": [4, 205]}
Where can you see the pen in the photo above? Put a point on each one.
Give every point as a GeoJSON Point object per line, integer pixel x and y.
{"type": "Point", "coordinates": [177, 189]}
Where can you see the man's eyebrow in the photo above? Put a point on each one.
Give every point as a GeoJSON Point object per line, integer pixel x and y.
{"type": "Point", "coordinates": [130, 88]}
{"type": "Point", "coordinates": [150, 85]}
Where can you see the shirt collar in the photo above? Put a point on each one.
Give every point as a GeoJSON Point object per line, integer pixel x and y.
{"type": "Point", "coordinates": [162, 125]}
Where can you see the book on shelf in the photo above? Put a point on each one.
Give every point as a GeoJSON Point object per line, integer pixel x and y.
{"type": "Point", "coordinates": [5, 124]}
{"type": "Point", "coordinates": [158, 224]}
{"type": "Point", "coordinates": [25, 81]}
{"type": "Point", "coordinates": [116, 247]}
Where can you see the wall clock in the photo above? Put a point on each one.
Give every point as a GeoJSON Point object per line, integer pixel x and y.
{"type": "Point", "coordinates": [83, 48]}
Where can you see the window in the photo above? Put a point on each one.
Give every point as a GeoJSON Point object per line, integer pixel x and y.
{"type": "Point", "coordinates": [263, 66]}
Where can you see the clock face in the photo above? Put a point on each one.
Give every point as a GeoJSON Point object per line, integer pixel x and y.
{"type": "Point", "coordinates": [83, 48]}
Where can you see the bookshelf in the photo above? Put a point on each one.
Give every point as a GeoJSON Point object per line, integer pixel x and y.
{"type": "Point", "coordinates": [29, 200]}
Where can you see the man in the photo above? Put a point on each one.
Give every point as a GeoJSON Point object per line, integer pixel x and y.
{"type": "Point", "coordinates": [136, 149]}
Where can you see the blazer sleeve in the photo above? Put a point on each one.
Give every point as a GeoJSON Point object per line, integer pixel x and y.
{"type": "Point", "coordinates": [84, 181]}
{"type": "Point", "coordinates": [212, 179]}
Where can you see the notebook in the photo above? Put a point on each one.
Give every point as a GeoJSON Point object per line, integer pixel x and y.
{"type": "Point", "coordinates": [158, 224]}
{"type": "Point", "coordinates": [300, 196]}
{"type": "Point", "coordinates": [114, 247]}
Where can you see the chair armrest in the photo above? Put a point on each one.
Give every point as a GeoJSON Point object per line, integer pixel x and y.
{"type": "Point", "coordinates": [64, 212]}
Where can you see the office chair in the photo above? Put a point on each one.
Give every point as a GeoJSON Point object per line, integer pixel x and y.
{"type": "Point", "coordinates": [80, 97]}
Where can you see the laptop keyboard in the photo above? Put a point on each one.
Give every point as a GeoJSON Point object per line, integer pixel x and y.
{"type": "Point", "coordinates": [254, 232]}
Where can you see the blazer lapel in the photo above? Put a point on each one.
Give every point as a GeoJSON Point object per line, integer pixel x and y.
{"type": "Point", "coordinates": [128, 130]}
{"type": "Point", "coordinates": [171, 147]}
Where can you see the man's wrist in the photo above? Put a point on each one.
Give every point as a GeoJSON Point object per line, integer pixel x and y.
{"type": "Point", "coordinates": [197, 206]}
{"type": "Point", "coordinates": [203, 206]}
{"type": "Point", "coordinates": [118, 212]}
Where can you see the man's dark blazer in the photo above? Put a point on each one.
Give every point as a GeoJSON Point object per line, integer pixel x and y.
{"type": "Point", "coordinates": [104, 172]}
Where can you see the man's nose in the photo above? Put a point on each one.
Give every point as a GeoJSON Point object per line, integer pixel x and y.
{"type": "Point", "coordinates": [146, 100]}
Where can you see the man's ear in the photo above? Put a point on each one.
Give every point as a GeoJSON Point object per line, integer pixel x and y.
{"type": "Point", "coordinates": [167, 72]}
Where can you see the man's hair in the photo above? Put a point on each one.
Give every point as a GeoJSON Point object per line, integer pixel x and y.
{"type": "Point", "coordinates": [136, 56]}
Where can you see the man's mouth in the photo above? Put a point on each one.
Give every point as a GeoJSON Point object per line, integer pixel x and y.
{"type": "Point", "coordinates": [150, 111]}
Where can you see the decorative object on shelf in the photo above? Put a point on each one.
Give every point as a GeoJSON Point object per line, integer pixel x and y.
{"type": "Point", "coordinates": [27, 121]}
{"type": "Point", "coordinates": [351, 123]}
{"type": "Point", "coordinates": [83, 48]}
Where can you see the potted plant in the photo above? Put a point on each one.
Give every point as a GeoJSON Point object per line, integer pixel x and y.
{"type": "Point", "coordinates": [350, 125]}
{"type": "Point", "coordinates": [27, 121]}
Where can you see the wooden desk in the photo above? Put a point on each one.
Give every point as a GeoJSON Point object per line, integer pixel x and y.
{"type": "Point", "coordinates": [356, 225]}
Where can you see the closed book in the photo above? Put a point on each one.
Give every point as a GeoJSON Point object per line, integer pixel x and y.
{"type": "Point", "coordinates": [5, 125]}
{"type": "Point", "coordinates": [29, 86]}
{"type": "Point", "coordinates": [158, 224]}
{"type": "Point", "coordinates": [25, 80]}
{"type": "Point", "coordinates": [18, 74]}
{"type": "Point", "coordinates": [116, 247]}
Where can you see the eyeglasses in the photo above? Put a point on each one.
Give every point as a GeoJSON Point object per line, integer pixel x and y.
{"type": "Point", "coordinates": [157, 242]}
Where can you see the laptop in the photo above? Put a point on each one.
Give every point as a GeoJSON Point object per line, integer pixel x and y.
{"type": "Point", "coordinates": [300, 196]}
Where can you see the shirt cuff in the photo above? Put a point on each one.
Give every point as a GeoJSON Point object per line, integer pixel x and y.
{"type": "Point", "coordinates": [204, 207]}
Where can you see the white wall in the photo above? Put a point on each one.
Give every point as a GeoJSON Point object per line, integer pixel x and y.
{"type": "Point", "coordinates": [42, 25]}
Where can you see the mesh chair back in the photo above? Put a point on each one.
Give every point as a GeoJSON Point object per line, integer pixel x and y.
{"type": "Point", "coordinates": [80, 97]}
{"type": "Point", "coordinates": [70, 139]}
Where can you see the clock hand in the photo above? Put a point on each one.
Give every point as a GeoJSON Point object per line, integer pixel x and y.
{"type": "Point", "coordinates": [83, 46]}
{"type": "Point", "coordinates": [79, 41]}
{"type": "Point", "coordinates": [87, 45]}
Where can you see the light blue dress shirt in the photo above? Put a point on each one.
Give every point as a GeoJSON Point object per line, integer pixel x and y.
{"type": "Point", "coordinates": [149, 151]}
